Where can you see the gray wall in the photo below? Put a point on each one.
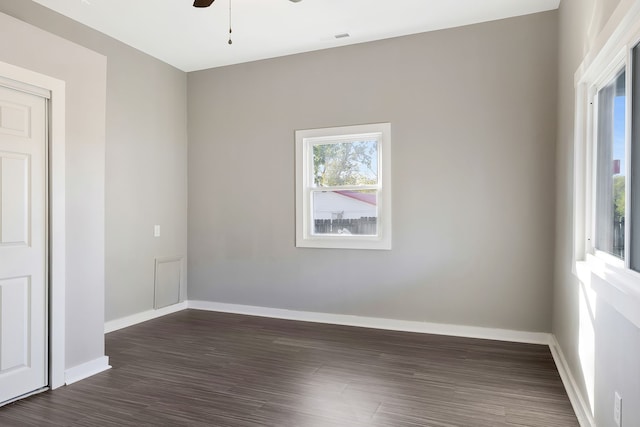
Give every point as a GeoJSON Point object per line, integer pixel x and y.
{"type": "Point", "coordinates": [146, 159]}
{"type": "Point", "coordinates": [473, 113]}
{"type": "Point", "coordinates": [612, 362]}
{"type": "Point", "coordinates": [85, 75]}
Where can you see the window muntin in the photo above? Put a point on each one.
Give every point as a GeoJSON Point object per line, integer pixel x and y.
{"type": "Point", "coordinates": [343, 187]}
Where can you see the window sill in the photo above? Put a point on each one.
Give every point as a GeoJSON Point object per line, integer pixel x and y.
{"type": "Point", "coordinates": [352, 242]}
{"type": "Point", "coordinates": [618, 287]}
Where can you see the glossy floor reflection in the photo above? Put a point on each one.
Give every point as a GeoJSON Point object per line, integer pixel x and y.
{"type": "Point", "coordinates": [197, 368]}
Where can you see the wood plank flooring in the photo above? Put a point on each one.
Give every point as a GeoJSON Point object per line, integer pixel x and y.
{"type": "Point", "coordinates": [197, 368]}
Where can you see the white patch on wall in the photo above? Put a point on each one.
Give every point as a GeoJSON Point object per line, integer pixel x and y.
{"type": "Point", "coordinates": [168, 281]}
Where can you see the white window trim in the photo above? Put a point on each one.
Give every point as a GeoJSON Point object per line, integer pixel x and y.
{"type": "Point", "coordinates": [304, 140]}
{"type": "Point", "coordinates": [607, 275]}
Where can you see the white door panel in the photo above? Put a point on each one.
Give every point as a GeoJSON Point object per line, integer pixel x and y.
{"type": "Point", "coordinates": [14, 119]}
{"type": "Point", "coordinates": [15, 296]}
{"type": "Point", "coordinates": [23, 244]}
{"type": "Point", "coordinates": [14, 198]}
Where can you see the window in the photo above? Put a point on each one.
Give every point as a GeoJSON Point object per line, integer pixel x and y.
{"type": "Point", "coordinates": [343, 187]}
{"type": "Point", "coordinates": [607, 169]}
{"type": "Point", "coordinates": [610, 167]}
{"type": "Point", "coordinates": [616, 224]}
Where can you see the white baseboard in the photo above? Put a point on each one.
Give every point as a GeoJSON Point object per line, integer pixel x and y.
{"type": "Point", "coordinates": [378, 323]}
{"type": "Point", "coordinates": [134, 319]}
{"type": "Point", "coordinates": [579, 403]}
{"type": "Point", "coordinates": [86, 370]}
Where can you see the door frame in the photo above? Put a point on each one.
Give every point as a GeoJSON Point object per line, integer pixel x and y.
{"type": "Point", "coordinates": [57, 226]}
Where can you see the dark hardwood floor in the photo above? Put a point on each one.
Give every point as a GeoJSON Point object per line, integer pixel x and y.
{"type": "Point", "coordinates": [197, 368]}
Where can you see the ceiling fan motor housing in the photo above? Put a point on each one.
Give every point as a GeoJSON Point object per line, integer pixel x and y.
{"type": "Point", "coordinates": [207, 3]}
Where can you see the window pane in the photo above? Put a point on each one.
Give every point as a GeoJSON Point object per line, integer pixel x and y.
{"type": "Point", "coordinates": [345, 213]}
{"type": "Point", "coordinates": [345, 163]}
{"type": "Point", "coordinates": [635, 162]}
{"type": "Point", "coordinates": [610, 177]}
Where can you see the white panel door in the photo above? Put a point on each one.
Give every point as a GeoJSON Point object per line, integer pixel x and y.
{"type": "Point", "coordinates": [23, 244]}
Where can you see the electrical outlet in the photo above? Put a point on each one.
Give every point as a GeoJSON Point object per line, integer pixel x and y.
{"type": "Point", "coordinates": [156, 231]}
{"type": "Point", "coordinates": [617, 409]}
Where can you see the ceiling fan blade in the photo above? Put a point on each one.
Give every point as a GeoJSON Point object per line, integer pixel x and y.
{"type": "Point", "coordinates": [202, 3]}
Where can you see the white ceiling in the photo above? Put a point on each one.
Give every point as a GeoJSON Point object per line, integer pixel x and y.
{"type": "Point", "coordinates": [194, 39]}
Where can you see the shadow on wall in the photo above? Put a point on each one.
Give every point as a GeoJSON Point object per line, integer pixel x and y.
{"type": "Point", "coordinates": [586, 339]}
{"type": "Point", "coordinates": [599, 11]}
{"type": "Point", "coordinates": [607, 349]}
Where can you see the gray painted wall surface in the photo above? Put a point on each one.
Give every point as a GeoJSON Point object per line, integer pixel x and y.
{"type": "Point", "coordinates": [473, 113]}
{"type": "Point", "coordinates": [614, 356]}
{"type": "Point", "coordinates": [146, 159]}
{"type": "Point", "coordinates": [84, 72]}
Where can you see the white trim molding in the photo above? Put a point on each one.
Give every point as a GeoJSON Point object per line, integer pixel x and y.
{"type": "Point", "coordinates": [57, 213]}
{"type": "Point", "coordinates": [579, 403]}
{"type": "Point", "coordinates": [612, 279]}
{"type": "Point", "coordinates": [378, 323]}
{"type": "Point", "coordinates": [305, 141]}
{"type": "Point", "coordinates": [508, 335]}
{"type": "Point", "coordinates": [86, 370]}
{"type": "Point", "coordinates": [134, 319]}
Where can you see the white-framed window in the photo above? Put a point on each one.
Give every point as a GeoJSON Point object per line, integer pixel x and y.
{"type": "Point", "coordinates": [343, 187]}
{"type": "Point", "coordinates": [610, 166]}
{"type": "Point", "coordinates": [607, 168]}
